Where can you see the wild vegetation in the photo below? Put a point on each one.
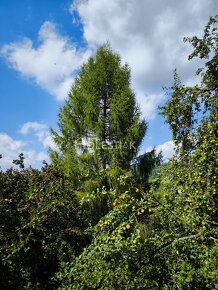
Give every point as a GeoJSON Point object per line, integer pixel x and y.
{"type": "Point", "coordinates": [99, 217]}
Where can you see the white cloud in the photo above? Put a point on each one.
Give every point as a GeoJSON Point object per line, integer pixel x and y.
{"type": "Point", "coordinates": [41, 131]}
{"type": "Point", "coordinates": [167, 149]}
{"type": "Point", "coordinates": [35, 126]}
{"type": "Point", "coordinates": [149, 103]}
{"type": "Point", "coordinates": [148, 34]}
{"type": "Point", "coordinates": [52, 64]}
{"type": "Point", "coordinates": [10, 150]}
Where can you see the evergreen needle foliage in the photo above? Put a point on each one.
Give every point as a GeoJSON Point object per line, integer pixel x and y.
{"type": "Point", "coordinates": [100, 125]}
{"type": "Point", "coordinates": [100, 131]}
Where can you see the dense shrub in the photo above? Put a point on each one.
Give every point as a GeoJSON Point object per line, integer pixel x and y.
{"type": "Point", "coordinates": [40, 226]}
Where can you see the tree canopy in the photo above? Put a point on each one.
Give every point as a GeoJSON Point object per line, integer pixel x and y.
{"type": "Point", "coordinates": [100, 121]}
{"type": "Point", "coordinates": [100, 130]}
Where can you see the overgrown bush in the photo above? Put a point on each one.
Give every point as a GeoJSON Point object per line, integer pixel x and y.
{"type": "Point", "coordinates": [40, 226]}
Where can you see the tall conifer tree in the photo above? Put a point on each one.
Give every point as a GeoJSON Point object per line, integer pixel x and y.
{"type": "Point", "coordinates": [99, 125]}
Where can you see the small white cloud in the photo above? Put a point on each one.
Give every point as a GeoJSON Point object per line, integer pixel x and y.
{"type": "Point", "coordinates": [149, 103]}
{"type": "Point", "coordinates": [48, 142]}
{"type": "Point", "coordinates": [41, 131]}
{"type": "Point", "coordinates": [10, 150]}
{"type": "Point", "coordinates": [51, 65]}
{"type": "Point", "coordinates": [35, 126]}
{"type": "Point", "coordinates": [167, 149]}
{"type": "Point", "coordinates": [34, 156]}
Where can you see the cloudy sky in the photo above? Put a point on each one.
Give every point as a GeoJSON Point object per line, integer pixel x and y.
{"type": "Point", "coordinates": [44, 43]}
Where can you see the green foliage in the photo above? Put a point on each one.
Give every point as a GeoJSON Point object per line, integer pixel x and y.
{"type": "Point", "coordinates": [165, 238]}
{"type": "Point", "coordinates": [190, 109]}
{"type": "Point", "coordinates": [114, 255]}
{"type": "Point", "coordinates": [145, 242]}
{"type": "Point", "coordinates": [192, 113]}
{"type": "Point", "coordinates": [143, 166]}
{"type": "Point", "coordinates": [100, 131]}
{"type": "Point", "coordinates": [155, 226]}
{"type": "Point", "coordinates": [40, 226]}
{"type": "Point", "coordinates": [99, 125]}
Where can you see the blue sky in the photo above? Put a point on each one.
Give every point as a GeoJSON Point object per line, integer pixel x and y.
{"type": "Point", "coordinates": [44, 43]}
